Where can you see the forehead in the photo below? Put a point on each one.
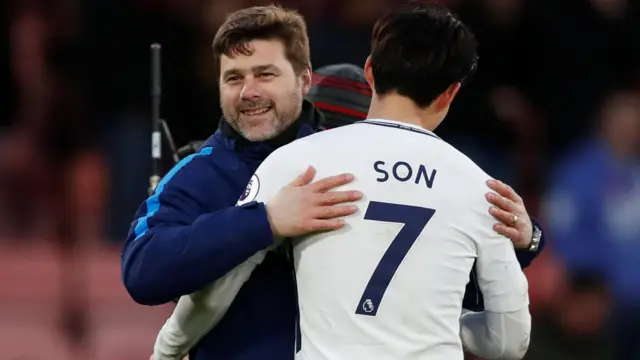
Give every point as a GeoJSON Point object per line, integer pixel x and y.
{"type": "Point", "coordinates": [263, 53]}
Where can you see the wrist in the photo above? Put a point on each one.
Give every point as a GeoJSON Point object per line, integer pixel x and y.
{"type": "Point", "coordinates": [270, 219]}
{"type": "Point", "coordinates": [523, 246]}
{"type": "Point", "coordinates": [534, 241]}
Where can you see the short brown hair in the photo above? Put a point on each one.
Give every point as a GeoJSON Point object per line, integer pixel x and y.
{"type": "Point", "coordinates": [264, 23]}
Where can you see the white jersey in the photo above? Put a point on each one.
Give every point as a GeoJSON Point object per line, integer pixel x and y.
{"type": "Point", "coordinates": [390, 284]}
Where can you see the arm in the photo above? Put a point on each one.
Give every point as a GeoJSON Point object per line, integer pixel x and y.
{"type": "Point", "coordinates": [196, 314]}
{"type": "Point", "coordinates": [477, 334]}
{"type": "Point", "coordinates": [302, 204]}
{"type": "Point", "coordinates": [177, 245]}
{"type": "Point", "coordinates": [502, 330]}
{"type": "Point", "coordinates": [508, 203]}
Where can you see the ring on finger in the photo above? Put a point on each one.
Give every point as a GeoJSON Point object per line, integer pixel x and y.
{"type": "Point", "coordinates": [515, 220]}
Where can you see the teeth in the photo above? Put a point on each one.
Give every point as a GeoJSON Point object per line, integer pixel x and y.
{"type": "Point", "coordinates": [256, 111]}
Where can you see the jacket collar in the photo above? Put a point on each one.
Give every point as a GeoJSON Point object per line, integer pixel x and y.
{"type": "Point", "coordinates": [308, 122]}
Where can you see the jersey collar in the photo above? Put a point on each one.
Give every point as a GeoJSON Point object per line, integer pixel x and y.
{"type": "Point", "coordinates": [398, 125]}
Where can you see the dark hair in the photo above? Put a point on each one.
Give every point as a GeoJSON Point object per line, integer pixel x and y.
{"type": "Point", "coordinates": [419, 50]}
{"type": "Point", "coordinates": [264, 23]}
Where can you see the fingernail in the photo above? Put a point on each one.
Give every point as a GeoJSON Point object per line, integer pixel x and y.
{"type": "Point", "coordinates": [492, 210]}
{"type": "Point", "coordinates": [491, 182]}
{"type": "Point", "coordinates": [357, 194]}
{"type": "Point", "coordinates": [353, 208]}
{"type": "Point", "coordinates": [349, 177]}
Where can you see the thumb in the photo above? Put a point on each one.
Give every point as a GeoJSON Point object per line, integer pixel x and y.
{"type": "Point", "coordinates": [304, 178]}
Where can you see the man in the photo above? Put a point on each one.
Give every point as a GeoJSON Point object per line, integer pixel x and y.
{"type": "Point", "coordinates": [329, 272]}
{"type": "Point", "coordinates": [187, 234]}
{"type": "Point", "coordinates": [342, 93]}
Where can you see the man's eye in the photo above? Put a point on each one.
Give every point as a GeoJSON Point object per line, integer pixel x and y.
{"type": "Point", "coordinates": [233, 78]}
{"type": "Point", "coordinates": [266, 74]}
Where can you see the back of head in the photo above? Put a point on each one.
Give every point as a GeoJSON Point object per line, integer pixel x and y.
{"type": "Point", "coordinates": [419, 50]}
{"type": "Point", "coordinates": [342, 93]}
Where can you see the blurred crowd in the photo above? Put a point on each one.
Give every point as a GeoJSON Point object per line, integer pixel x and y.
{"type": "Point", "coordinates": [553, 110]}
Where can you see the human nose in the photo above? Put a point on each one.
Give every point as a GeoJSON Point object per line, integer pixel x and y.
{"type": "Point", "coordinates": [250, 89]}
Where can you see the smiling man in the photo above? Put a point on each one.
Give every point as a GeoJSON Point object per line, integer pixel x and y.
{"type": "Point", "coordinates": [254, 99]}
{"type": "Point", "coordinates": [188, 233]}
{"type": "Point", "coordinates": [414, 242]}
{"type": "Point", "coordinates": [179, 335]}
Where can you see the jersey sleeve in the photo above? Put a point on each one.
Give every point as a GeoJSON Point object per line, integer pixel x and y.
{"type": "Point", "coordinates": [500, 277]}
{"type": "Point", "coordinates": [196, 314]}
{"type": "Point", "coordinates": [496, 336]}
{"type": "Point", "coordinates": [501, 331]}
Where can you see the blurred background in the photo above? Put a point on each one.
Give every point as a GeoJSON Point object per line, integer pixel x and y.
{"type": "Point", "coordinates": [553, 110]}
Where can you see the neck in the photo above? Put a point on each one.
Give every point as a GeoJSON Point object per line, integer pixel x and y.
{"type": "Point", "coordinates": [402, 109]}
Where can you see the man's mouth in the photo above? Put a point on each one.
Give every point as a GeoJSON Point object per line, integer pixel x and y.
{"type": "Point", "coordinates": [256, 111]}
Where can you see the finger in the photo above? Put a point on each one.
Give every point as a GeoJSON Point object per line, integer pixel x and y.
{"type": "Point", "coordinates": [331, 182]}
{"type": "Point", "coordinates": [322, 225]}
{"type": "Point", "coordinates": [500, 201]}
{"type": "Point", "coordinates": [504, 190]}
{"type": "Point", "coordinates": [337, 197]}
{"type": "Point", "coordinates": [334, 211]}
{"type": "Point", "coordinates": [506, 231]}
{"type": "Point", "coordinates": [305, 178]}
{"type": "Point", "coordinates": [503, 216]}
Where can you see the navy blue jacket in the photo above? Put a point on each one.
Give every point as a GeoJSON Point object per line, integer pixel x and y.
{"type": "Point", "coordinates": [188, 234]}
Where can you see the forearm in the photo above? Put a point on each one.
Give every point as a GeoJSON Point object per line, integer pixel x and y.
{"type": "Point", "coordinates": [196, 314]}
{"type": "Point", "coordinates": [492, 335]}
{"type": "Point", "coordinates": [167, 262]}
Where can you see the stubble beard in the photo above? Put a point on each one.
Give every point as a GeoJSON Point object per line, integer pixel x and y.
{"type": "Point", "coordinates": [281, 119]}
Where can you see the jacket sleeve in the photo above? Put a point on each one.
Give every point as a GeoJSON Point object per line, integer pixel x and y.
{"type": "Point", "coordinates": [188, 234]}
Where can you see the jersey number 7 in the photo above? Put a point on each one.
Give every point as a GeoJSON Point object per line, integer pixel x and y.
{"type": "Point", "coordinates": [414, 219]}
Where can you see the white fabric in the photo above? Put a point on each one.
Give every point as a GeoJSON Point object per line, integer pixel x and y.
{"type": "Point", "coordinates": [424, 207]}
